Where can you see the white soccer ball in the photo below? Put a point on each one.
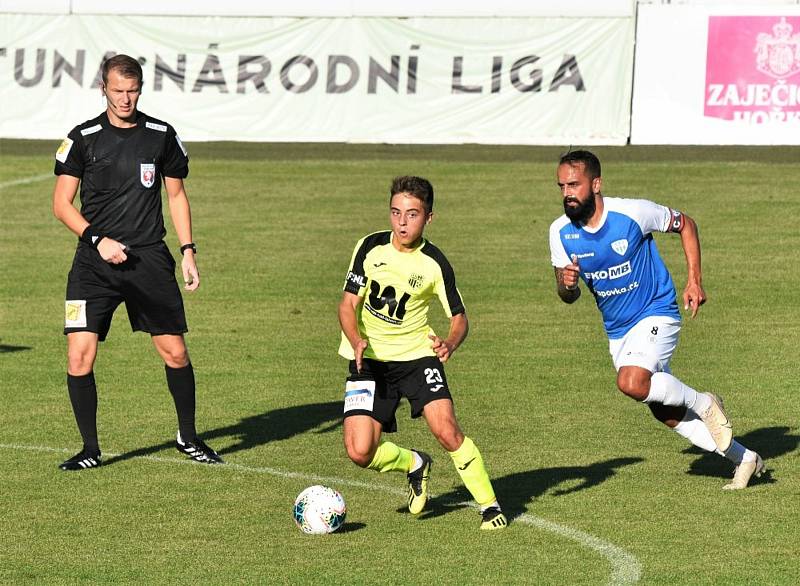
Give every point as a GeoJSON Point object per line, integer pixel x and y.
{"type": "Point", "coordinates": [319, 509]}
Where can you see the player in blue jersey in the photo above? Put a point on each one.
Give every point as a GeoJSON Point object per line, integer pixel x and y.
{"type": "Point", "coordinates": [608, 243]}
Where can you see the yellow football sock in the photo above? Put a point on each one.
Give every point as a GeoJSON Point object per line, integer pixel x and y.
{"type": "Point", "coordinates": [390, 457]}
{"type": "Point", "coordinates": [469, 464]}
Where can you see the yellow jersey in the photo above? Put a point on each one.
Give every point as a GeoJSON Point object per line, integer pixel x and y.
{"type": "Point", "coordinates": [396, 290]}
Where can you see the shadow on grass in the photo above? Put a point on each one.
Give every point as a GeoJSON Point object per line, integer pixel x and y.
{"type": "Point", "coordinates": [258, 430]}
{"type": "Point", "coordinates": [6, 348]}
{"type": "Point", "coordinates": [769, 442]}
{"type": "Point", "coordinates": [350, 527]}
{"type": "Point", "coordinates": [516, 491]}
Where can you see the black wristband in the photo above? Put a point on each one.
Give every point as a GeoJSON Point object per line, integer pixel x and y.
{"type": "Point", "coordinates": [92, 236]}
{"type": "Point", "coordinates": [191, 246]}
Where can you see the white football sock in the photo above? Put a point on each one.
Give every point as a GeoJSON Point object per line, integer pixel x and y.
{"type": "Point", "coordinates": [694, 430]}
{"type": "Point", "coordinates": [737, 453]}
{"type": "Point", "coordinates": [417, 463]}
{"type": "Point", "coordinates": [494, 504]}
{"type": "Point", "coordinates": [668, 390]}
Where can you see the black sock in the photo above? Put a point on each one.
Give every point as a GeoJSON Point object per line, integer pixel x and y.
{"type": "Point", "coordinates": [83, 396]}
{"type": "Point", "coordinates": [181, 384]}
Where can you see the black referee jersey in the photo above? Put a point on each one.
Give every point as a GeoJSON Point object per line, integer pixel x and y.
{"type": "Point", "coordinates": [120, 171]}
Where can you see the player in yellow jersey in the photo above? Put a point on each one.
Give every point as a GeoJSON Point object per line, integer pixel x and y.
{"type": "Point", "coordinates": [394, 275]}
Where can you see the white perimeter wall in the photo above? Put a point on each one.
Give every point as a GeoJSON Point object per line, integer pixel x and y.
{"type": "Point", "coordinates": [499, 80]}
{"type": "Point", "coordinates": [448, 8]}
{"type": "Point", "coordinates": [699, 78]}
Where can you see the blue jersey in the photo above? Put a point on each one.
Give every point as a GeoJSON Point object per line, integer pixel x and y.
{"type": "Point", "coordinates": [619, 261]}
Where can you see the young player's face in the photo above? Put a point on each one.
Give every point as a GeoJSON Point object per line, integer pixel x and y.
{"type": "Point", "coordinates": [122, 94]}
{"type": "Point", "coordinates": [409, 218]}
{"type": "Point", "coordinates": [578, 191]}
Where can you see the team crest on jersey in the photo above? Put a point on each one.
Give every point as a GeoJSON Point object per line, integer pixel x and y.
{"type": "Point", "coordinates": [147, 174]}
{"type": "Point", "coordinates": [620, 246]}
{"type": "Point", "coordinates": [415, 281]}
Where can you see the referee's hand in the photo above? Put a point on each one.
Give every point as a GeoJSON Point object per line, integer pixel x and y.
{"type": "Point", "coordinates": [111, 251]}
{"type": "Point", "coordinates": [191, 276]}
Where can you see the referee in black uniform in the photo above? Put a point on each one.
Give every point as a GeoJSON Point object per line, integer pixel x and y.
{"type": "Point", "coordinates": [119, 160]}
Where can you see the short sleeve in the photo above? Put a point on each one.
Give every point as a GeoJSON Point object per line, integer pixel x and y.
{"type": "Point", "coordinates": [176, 158]}
{"type": "Point", "coordinates": [70, 158]}
{"type": "Point", "coordinates": [650, 216]}
{"type": "Point", "coordinates": [445, 287]}
{"type": "Point", "coordinates": [558, 255]}
{"type": "Point", "coordinates": [447, 292]}
{"type": "Point", "coordinates": [356, 280]}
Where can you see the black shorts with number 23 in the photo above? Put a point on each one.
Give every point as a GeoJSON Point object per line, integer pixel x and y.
{"type": "Point", "coordinates": [376, 391]}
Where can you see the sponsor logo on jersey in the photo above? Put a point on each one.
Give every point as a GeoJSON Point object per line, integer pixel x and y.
{"type": "Point", "coordinates": [154, 126]}
{"type": "Point", "coordinates": [384, 299]}
{"type": "Point", "coordinates": [359, 280]}
{"type": "Point", "coordinates": [617, 290]}
{"type": "Point", "coordinates": [571, 236]}
{"type": "Point", "coordinates": [91, 130]}
{"type": "Point", "coordinates": [620, 246]}
{"type": "Point", "coordinates": [63, 150]}
{"type": "Point", "coordinates": [147, 174]}
{"type": "Point", "coordinates": [415, 281]}
{"type": "Point", "coordinates": [585, 254]}
{"type": "Point", "coordinates": [388, 319]}
{"type": "Point", "coordinates": [614, 272]}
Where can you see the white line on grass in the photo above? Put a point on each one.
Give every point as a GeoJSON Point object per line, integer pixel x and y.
{"type": "Point", "coordinates": [25, 180]}
{"type": "Point", "coordinates": [625, 567]}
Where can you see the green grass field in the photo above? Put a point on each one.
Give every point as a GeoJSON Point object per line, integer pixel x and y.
{"type": "Point", "coordinates": [597, 490]}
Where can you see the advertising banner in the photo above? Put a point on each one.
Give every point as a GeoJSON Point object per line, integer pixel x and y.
{"type": "Point", "coordinates": [750, 67]}
{"type": "Point", "coordinates": [248, 8]}
{"type": "Point", "coordinates": [413, 80]}
{"type": "Point", "coordinates": [734, 77]}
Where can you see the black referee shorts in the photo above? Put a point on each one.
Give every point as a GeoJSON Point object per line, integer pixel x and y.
{"type": "Point", "coordinates": [145, 283]}
{"type": "Point", "coordinates": [376, 391]}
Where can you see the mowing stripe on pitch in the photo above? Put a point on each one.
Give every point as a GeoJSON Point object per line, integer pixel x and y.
{"type": "Point", "coordinates": [625, 567]}
{"type": "Point", "coordinates": [26, 180]}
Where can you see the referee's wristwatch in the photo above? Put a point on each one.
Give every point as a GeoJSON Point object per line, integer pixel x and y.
{"type": "Point", "coordinates": [191, 246]}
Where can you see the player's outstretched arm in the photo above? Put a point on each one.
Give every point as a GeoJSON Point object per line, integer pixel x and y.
{"type": "Point", "coordinates": [181, 215]}
{"type": "Point", "coordinates": [459, 328]}
{"type": "Point", "coordinates": [693, 295]}
{"type": "Point", "coordinates": [567, 281]}
{"type": "Point", "coordinates": [348, 320]}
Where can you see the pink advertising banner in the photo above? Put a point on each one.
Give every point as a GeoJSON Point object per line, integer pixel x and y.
{"type": "Point", "coordinates": [753, 69]}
